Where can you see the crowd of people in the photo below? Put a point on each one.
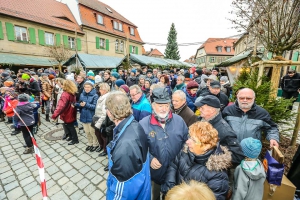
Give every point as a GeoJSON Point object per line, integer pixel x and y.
{"type": "Point", "coordinates": [159, 128]}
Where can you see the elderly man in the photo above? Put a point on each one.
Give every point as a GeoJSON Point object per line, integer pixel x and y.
{"type": "Point", "coordinates": [179, 83]}
{"type": "Point", "coordinates": [167, 133]}
{"type": "Point", "coordinates": [214, 88]}
{"type": "Point", "coordinates": [140, 105]}
{"type": "Point", "coordinates": [210, 111]}
{"type": "Point", "coordinates": [128, 156]}
{"type": "Point", "coordinates": [180, 108]}
{"type": "Point", "coordinates": [249, 120]}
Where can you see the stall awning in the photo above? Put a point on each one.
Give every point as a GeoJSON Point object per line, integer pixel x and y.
{"type": "Point", "coordinates": [92, 61]}
{"type": "Point", "coordinates": [147, 60]}
{"type": "Point", "coordinates": [235, 59]}
{"type": "Point", "coordinates": [17, 59]}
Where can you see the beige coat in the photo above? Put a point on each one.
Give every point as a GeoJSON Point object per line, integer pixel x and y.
{"type": "Point", "coordinates": [100, 110]}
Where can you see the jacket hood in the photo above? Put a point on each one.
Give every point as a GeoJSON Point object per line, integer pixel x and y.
{"type": "Point", "coordinates": [219, 160]}
{"type": "Point", "coordinates": [26, 107]}
{"type": "Point", "coordinates": [253, 169]}
{"type": "Point", "coordinates": [91, 93]}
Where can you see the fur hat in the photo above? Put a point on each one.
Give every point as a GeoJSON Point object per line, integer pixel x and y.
{"type": "Point", "coordinates": [251, 147]}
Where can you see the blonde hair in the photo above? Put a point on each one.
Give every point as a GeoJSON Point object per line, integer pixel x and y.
{"type": "Point", "coordinates": [60, 80]}
{"type": "Point", "coordinates": [192, 191]}
{"type": "Point", "coordinates": [204, 133]}
{"type": "Point", "coordinates": [69, 87]}
{"type": "Point", "coordinates": [104, 86]}
{"type": "Point", "coordinates": [118, 105]}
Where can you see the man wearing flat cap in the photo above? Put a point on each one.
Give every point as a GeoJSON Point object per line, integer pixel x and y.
{"type": "Point", "coordinates": [167, 132]}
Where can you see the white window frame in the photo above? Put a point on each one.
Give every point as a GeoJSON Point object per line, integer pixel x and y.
{"type": "Point", "coordinates": [49, 38]}
{"type": "Point", "coordinates": [131, 31]}
{"type": "Point", "coordinates": [102, 43]}
{"type": "Point", "coordinates": [116, 25]}
{"type": "Point", "coordinates": [226, 48]}
{"type": "Point", "coordinates": [117, 45]}
{"type": "Point", "coordinates": [219, 48]}
{"type": "Point", "coordinates": [100, 19]}
{"type": "Point", "coordinates": [120, 26]}
{"type": "Point", "coordinates": [21, 33]}
{"type": "Point", "coordinates": [71, 42]}
{"type": "Point", "coordinates": [122, 46]}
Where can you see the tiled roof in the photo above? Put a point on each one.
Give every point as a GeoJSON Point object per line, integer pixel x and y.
{"type": "Point", "coordinates": [155, 52]}
{"type": "Point", "coordinates": [89, 18]}
{"type": "Point", "coordinates": [210, 46]}
{"type": "Point", "coordinates": [48, 12]}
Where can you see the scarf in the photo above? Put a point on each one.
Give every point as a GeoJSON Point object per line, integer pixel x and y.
{"type": "Point", "coordinates": [162, 120]}
{"type": "Point", "coordinates": [189, 92]}
{"type": "Point", "coordinates": [179, 109]}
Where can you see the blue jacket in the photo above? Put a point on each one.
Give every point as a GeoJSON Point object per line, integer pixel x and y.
{"type": "Point", "coordinates": [88, 111]}
{"type": "Point", "coordinates": [129, 167]}
{"type": "Point", "coordinates": [25, 110]}
{"type": "Point", "coordinates": [164, 144]}
{"type": "Point", "coordinates": [190, 100]}
{"type": "Point", "coordinates": [141, 108]}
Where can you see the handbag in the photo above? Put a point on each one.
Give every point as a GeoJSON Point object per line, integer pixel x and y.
{"type": "Point", "coordinates": [94, 121]}
{"type": "Point", "coordinates": [273, 169]}
{"type": "Point", "coordinates": [45, 98]}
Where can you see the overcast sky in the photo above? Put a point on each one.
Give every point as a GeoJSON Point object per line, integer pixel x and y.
{"type": "Point", "coordinates": [195, 20]}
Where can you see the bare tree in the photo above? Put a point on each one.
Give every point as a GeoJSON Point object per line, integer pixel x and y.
{"type": "Point", "coordinates": [275, 23]}
{"type": "Point", "coordinates": [59, 54]}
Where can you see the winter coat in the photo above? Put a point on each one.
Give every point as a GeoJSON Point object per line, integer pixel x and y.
{"type": "Point", "coordinates": [25, 111]}
{"type": "Point", "coordinates": [249, 178]}
{"type": "Point", "coordinates": [173, 81]}
{"type": "Point", "coordinates": [129, 166]}
{"type": "Point", "coordinates": [198, 79]}
{"type": "Point", "coordinates": [251, 123]}
{"type": "Point", "coordinates": [209, 168]}
{"type": "Point", "coordinates": [46, 87]}
{"type": "Point", "coordinates": [9, 109]}
{"type": "Point", "coordinates": [290, 84]}
{"type": "Point", "coordinates": [65, 108]}
{"type": "Point", "coordinates": [141, 108]}
{"type": "Point", "coordinates": [60, 91]}
{"type": "Point", "coordinates": [228, 138]}
{"type": "Point", "coordinates": [190, 100]}
{"type": "Point", "coordinates": [79, 90]}
{"type": "Point", "coordinates": [88, 111]}
{"type": "Point", "coordinates": [131, 80]}
{"type": "Point", "coordinates": [221, 96]}
{"type": "Point", "coordinates": [34, 87]}
{"type": "Point", "coordinates": [164, 143]}
{"type": "Point", "coordinates": [169, 90]}
{"type": "Point", "coordinates": [100, 110]}
{"type": "Point", "coordinates": [187, 115]}
{"type": "Point", "coordinates": [226, 89]}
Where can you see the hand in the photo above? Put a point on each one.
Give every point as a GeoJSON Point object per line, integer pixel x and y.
{"type": "Point", "coordinates": [273, 143]}
{"type": "Point", "coordinates": [155, 164]}
{"type": "Point", "coordinates": [82, 104]}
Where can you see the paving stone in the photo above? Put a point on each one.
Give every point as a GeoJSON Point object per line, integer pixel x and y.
{"type": "Point", "coordinates": [71, 173]}
{"type": "Point", "coordinates": [11, 186]}
{"type": "Point", "coordinates": [96, 195]}
{"type": "Point", "coordinates": [69, 188]}
{"type": "Point", "coordinates": [84, 157]}
{"type": "Point", "coordinates": [57, 175]}
{"type": "Point", "coordinates": [57, 158]}
{"type": "Point", "coordinates": [21, 170]}
{"type": "Point", "coordinates": [79, 164]}
{"type": "Point", "coordinates": [23, 198]}
{"type": "Point", "coordinates": [13, 157]}
{"type": "Point", "coordinates": [50, 183]}
{"type": "Point", "coordinates": [31, 192]}
{"type": "Point", "coordinates": [77, 195]}
{"type": "Point", "coordinates": [85, 169]}
{"type": "Point", "coordinates": [8, 179]}
{"type": "Point", "coordinates": [26, 181]}
{"type": "Point", "coordinates": [60, 195]}
{"type": "Point", "coordinates": [72, 159]}
{"type": "Point", "coordinates": [89, 189]}
{"type": "Point", "coordinates": [85, 198]}
{"type": "Point", "coordinates": [102, 186]}
{"type": "Point", "coordinates": [90, 175]}
{"type": "Point", "coordinates": [5, 169]}
{"type": "Point", "coordinates": [24, 175]}
{"type": "Point", "coordinates": [63, 181]}
{"type": "Point", "coordinates": [83, 183]}
{"type": "Point", "coordinates": [52, 170]}
{"type": "Point", "coordinates": [60, 162]}
{"type": "Point", "coordinates": [2, 195]}
{"type": "Point", "coordinates": [90, 162]}
{"type": "Point", "coordinates": [7, 174]}
{"type": "Point", "coordinates": [15, 193]}
{"type": "Point", "coordinates": [77, 178]}
{"type": "Point", "coordinates": [67, 156]}
{"type": "Point", "coordinates": [96, 166]}
{"type": "Point", "coordinates": [97, 179]}
{"type": "Point", "coordinates": [52, 190]}
{"type": "Point", "coordinates": [30, 185]}
{"type": "Point", "coordinates": [52, 155]}
{"type": "Point", "coordinates": [101, 170]}
{"type": "Point", "coordinates": [66, 167]}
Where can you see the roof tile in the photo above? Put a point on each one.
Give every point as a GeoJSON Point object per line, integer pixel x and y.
{"type": "Point", "coordinates": [210, 46]}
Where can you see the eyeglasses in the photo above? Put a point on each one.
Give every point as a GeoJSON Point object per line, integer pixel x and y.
{"type": "Point", "coordinates": [245, 98]}
{"type": "Point", "coordinates": [196, 142]}
{"type": "Point", "coordinates": [133, 95]}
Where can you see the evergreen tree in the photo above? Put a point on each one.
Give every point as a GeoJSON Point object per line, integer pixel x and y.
{"type": "Point", "coordinates": [172, 51]}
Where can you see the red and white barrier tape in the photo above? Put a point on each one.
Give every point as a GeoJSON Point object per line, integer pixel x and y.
{"type": "Point", "coordinates": [38, 157]}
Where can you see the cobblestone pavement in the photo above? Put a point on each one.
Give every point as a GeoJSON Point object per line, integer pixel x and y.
{"type": "Point", "coordinates": [71, 172]}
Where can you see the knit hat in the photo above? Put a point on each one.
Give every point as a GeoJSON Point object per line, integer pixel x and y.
{"type": "Point", "coordinates": [4, 74]}
{"type": "Point", "coordinates": [142, 77]}
{"type": "Point", "coordinates": [199, 72]}
{"type": "Point", "coordinates": [25, 76]}
{"type": "Point", "coordinates": [125, 88]}
{"type": "Point", "coordinates": [46, 71]}
{"type": "Point", "coordinates": [193, 69]}
{"type": "Point", "coordinates": [98, 79]}
{"type": "Point", "coordinates": [23, 97]}
{"type": "Point", "coordinates": [89, 83]}
{"type": "Point", "coordinates": [120, 82]}
{"type": "Point", "coordinates": [187, 76]}
{"type": "Point", "coordinates": [115, 74]}
{"type": "Point", "coordinates": [192, 85]}
{"type": "Point", "coordinates": [251, 147]}
{"type": "Point", "coordinates": [224, 78]}
{"type": "Point", "coordinates": [90, 73]}
{"type": "Point", "coordinates": [114, 70]}
{"type": "Point", "coordinates": [133, 71]}
{"type": "Point", "coordinates": [44, 74]}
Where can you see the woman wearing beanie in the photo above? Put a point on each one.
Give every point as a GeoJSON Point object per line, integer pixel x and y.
{"type": "Point", "coordinates": [190, 92]}
{"type": "Point", "coordinates": [66, 111]}
{"type": "Point", "coordinates": [87, 105]}
{"type": "Point", "coordinates": [25, 111]}
{"type": "Point", "coordinates": [119, 83]}
{"type": "Point", "coordinates": [249, 176]}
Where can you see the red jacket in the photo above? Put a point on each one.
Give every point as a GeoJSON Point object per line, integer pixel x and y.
{"type": "Point", "coordinates": [9, 109]}
{"type": "Point", "coordinates": [65, 108]}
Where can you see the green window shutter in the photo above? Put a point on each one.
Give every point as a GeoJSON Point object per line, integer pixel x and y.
{"type": "Point", "coordinates": [1, 32]}
{"type": "Point", "coordinates": [107, 45]}
{"type": "Point", "coordinates": [78, 44]}
{"type": "Point", "coordinates": [41, 37]}
{"type": "Point", "coordinates": [10, 31]}
{"type": "Point", "coordinates": [65, 41]}
{"type": "Point", "coordinates": [270, 55]}
{"type": "Point", "coordinates": [130, 48]}
{"type": "Point", "coordinates": [210, 59]}
{"type": "Point", "coordinates": [32, 35]}
{"type": "Point", "coordinates": [136, 50]}
{"type": "Point", "coordinates": [57, 39]}
{"type": "Point", "coordinates": [97, 43]}
{"type": "Point", "coordinates": [295, 58]}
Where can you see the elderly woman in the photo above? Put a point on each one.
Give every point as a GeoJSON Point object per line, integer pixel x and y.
{"type": "Point", "coordinates": [99, 117]}
{"type": "Point", "coordinates": [191, 92]}
{"type": "Point", "coordinates": [66, 110]}
{"type": "Point", "coordinates": [203, 160]}
{"type": "Point", "coordinates": [142, 81]}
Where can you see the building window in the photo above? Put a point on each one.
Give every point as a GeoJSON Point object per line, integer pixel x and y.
{"type": "Point", "coordinates": [131, 31]}
{"type": "Point", "coordinates": [122, 46]}
{"type": "Point", "coordinates": [99, 19]}
{"type": "Point", "coordinates": [133, 49]}
{"type": "Point", "coordinates": [21, 33]}
{"type": "Point", "coordinates": [49, 38]}
{"type": "Point", "coordinates": [71, 41]}
{"type": "Point", "coordinates": [117, 45]}
{"type": "Point", "coordinates": [228, 49]}
{"type": "Point", "coordinates": [212, 59]}
{"type": "Point", "coordinates": [219, 48]}
{"type": "Point", "coordinates": [118, 26]}
{"type": "Point", "coordinates": [102, 43]}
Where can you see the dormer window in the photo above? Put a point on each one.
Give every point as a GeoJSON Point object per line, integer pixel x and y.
{"type": "Point", "coordinates": [219, 48]}
{"type": "Point", "coordinates": [228, 49]}
{"type": "Point", "coordinates": [99, 19]}
{"type": "Point", "coordinates": [131, 31]}
{"type": "Point", "coordinates": [118, 26]}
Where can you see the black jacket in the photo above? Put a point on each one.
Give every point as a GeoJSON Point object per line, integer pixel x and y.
{"type": "Point", "coordinates": [290, 84]}
{"type": "Point", "coordinates": [221, 96]}
{"type": "Point", "coordinates": [79, 90]}
{"type": "Point", "coordinates": [34, 88]}
{"type": "Point", "coordinates": [228, 138]}
{"type": "Point", "coordinates": [209, 168]}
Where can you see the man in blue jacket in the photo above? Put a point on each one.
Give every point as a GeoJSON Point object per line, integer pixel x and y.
{"type": "Point", "coordinates": [128, 156]}
{"type": "Point", "coordinates": [167, 132]}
